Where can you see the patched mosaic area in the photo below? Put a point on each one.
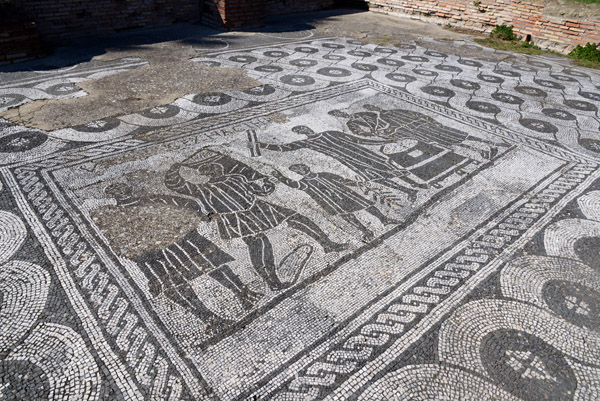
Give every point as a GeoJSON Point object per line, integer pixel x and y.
{"type": "Point", "coordinates": [370, 223]}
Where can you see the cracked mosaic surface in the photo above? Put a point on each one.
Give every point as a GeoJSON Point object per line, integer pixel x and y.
{"type": "Point", "coordinates": [370, 223]}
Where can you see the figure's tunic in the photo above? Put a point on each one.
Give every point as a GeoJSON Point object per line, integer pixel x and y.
{"type": "Point", "coordinates": [231, 200]}
{"type": "Point", "coordinates": [331, 192]}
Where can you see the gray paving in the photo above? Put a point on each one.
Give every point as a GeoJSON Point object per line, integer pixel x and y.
{"type": "Point", "coordinates": [371, 222]}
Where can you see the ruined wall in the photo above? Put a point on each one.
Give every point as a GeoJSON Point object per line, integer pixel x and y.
{"type": "Point", "coordinates": [234, 14]}
{"type": "Point", "coordinates": [237, 14]}
{"type": "Point", "coordinates": [557, 33]}
{"type": "Point", "coordinates": [60, 20]}
{"type": "Point", "coordinates": [275, 7]}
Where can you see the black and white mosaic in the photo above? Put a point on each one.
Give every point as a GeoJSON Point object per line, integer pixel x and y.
{"type": "Point", "coordinates": [370, 223]}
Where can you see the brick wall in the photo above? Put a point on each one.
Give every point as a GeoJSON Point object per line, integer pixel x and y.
{"type": "Point", "coordinates": [526, 17]}
{"type": "Point", "coordinates": [236, 14]}
{"type": "Point", "coordinates": [19, 42]}
{"type": "Point", "coordinates": [65, 19]}
{"type": "Point", "coordinates": [275, 7]}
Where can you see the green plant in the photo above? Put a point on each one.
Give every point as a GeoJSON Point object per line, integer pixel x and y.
{"type": "Point", "coordinates": [476, 3]}
{"type": "Point", "coordinates": [504, 32]}
{"type": "Point", "coordinates": [530, 45]}
{"type": "Point", "coordinates": [589, 52]}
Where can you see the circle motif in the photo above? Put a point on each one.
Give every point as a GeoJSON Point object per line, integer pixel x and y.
{"type": "Point", "coordinates": [398, 77]}
{"type": "Point", "coordinates": [587, 251]}
{"type": "Point", "coordinates": [483, 107]}
{"type": "Point", "coordinates": [22, 141]}
{"type": "Point", "coordinates": [529, 90]}
{"type": "Point", "coordinates": [527, 367]}
{"type": "Point", "coordinates": [359, 53]}
{"type": "Point", "coordinates": [418, 59]}
{"type": "Point", "coordinates": [464, 84]}
{"type": "Point", "coordinates": [268, 68]}
{"type": "Point", "coordinates": [212, 99]}
{"type": "Point", "coordinates": [434, 53]}
{"type": "Point", "coordinates": [425, 73]}
{"type": "Point", "coordinates": [590, 95]}
{"type": "Point", "coordinates": [62, 89]}
{"type": "Point", "coordinates": [9, 100]}
{"type": "Point", "coordinates": [364, 67]}
{"type": "Point", "coordinates": [391, 62]}
{"type": "Point", "coordinates": [23, 380]}
{"type": "Point", "coordinates": [538, 64]}
{"type": "Point", "coordinates": [577, 304]}
{"type": "Point", "coordinates": [437, 91]}
{"type": "Point", "coordinates": [303, 62]}
{"type": "Point", "coordinates": [276, 54]}
{"type": "Point", "coordinates": [507, 73]}
{"type": "Point", "coordinates": [490, 78]}
{"type": "Point", "coordinates": [333, 46]}
{"type": "Point", "coordinates": [580, 105]}
{"type": "Point", "coordinates": [538, 125]}
{"type": "Point", "coordinates": [384, 50]}
{"type": "Point", "coordinates": [559, 114]}
{"type": "Point", "coordinates": [507, 98]}
{"type": "Point", "coordinates": [297, 80]}
{"type": "Point", "coordinates": [448, 68]}
{"type": "Point", "coordinates": [549, 84]}
{"type": "Point", "coordinates": [306, 49]}
{"type": "Point", "coordinates": [334, 72]}
{"type": "Point", "coordinates": [590, 144]}
{"type": "Point", "coordinates": [563, 78]}
{"type": "Point", "coordinates": [243, 59]}
{"type": "Point", "coordinates": [470, 63]}
{"type": "Point", "coordinates": [161, 112]}
{"type": "Point", "coordinates": [263, 90]}
{"type": "Point", "coordinates": [334, 57]}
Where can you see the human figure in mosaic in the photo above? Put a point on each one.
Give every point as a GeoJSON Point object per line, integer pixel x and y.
{"type": "Point", "coordinates": [397, 124]}
{"type": "Point", "coordinates": [231, 197]}
{"type": "Point", "coordinates": [332, 193]}
{"type": "Point", "coordinates": [350, 151]}
{"type": "Point", "coordinates": [170, 270]}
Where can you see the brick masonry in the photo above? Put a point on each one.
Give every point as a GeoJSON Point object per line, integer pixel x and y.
{"type": "Point", "coordinates": [19, 42]}
{"type": "Point", "coordinates": [237, 14]}
{"type": "Point", "coordinates": [275, 7]}
{"type": "Point", "coordinates": [527, 18]}
{"type": "Point", "coordinates": [66, 19]}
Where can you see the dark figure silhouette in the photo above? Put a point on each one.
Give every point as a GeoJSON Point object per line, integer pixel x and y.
{"type": "Point", "coordinates": [231, 196]}
{"type": "Point", "coordinates": [333, 194]}
{"type": "Point", "coordinates": [170, 270]}
{"type": "Point", "coordinates": [348, 150]}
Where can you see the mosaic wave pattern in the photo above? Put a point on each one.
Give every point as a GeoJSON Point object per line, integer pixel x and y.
{"type": "Point", "coordinates": [370, 223]}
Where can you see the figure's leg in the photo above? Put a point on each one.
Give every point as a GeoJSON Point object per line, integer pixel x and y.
{"type": "Point", "coordinates": [185, 296]}
{"type": "Point", "coordinates": [263, 261]}
{"type": "Point", "coordinates": [229, 280]}
{"type": "Point", "coordinates": [308, 227]}
{"type": "Point", "coordinates": [411, 193]}
{"type": "Point", "coordinates": [351, 218]}
{"type": "Point", "coordinates": [383, 218]}
{"type": "Point", "coordinates": [160, 281]}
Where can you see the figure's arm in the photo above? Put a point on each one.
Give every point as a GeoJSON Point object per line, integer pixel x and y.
{"type": "Point", "coordinates": [288, 147]}
{"type": "Point", "coordinates": [177, 201]}
{"type": "Point", "coordinates": [369, 141]}
{"type": "Point", "coordinates": [290, 183]}
{"type": "Point", "coordinates": [175, 182]}
{"type": "Point", "coordinates": [339, 179]}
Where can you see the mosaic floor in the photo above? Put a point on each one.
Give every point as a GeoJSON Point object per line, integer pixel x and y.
{"type": "Point", "coordinates": [372, 223]}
